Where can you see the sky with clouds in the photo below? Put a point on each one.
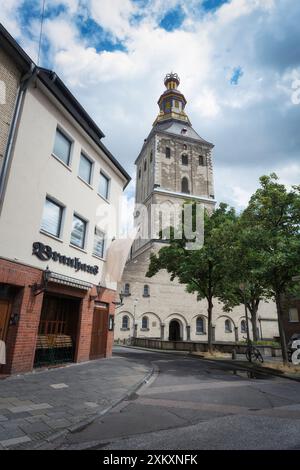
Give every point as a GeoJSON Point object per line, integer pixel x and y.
{"type": "Point", "coordinates": [238, 61]}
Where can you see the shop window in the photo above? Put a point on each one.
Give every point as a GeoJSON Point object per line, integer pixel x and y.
{"type": "Point", "coordinates": [52, 217]}
{"type": "Point", "coordinates": [85, 169]}
{"type": "Point", "coordinates": [103, 189]}
{"type": "Point", "coordinates": [99, 242]}
{"type": "Point", "coordinates": [78, 231]}
{"type": "Point", "coordinates": [62, 147]}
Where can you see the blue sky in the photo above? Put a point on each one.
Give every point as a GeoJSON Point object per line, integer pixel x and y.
{"type": "Point", "coordinates": [236, 59]}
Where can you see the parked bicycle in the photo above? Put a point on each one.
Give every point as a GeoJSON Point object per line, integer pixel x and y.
{"type": "Point", "coordinates": [253, 353]}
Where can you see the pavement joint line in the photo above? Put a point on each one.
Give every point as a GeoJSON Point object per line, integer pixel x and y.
{"type": "Point", "coordinates": [86, 422]}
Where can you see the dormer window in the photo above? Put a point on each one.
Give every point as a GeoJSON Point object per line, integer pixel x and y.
{"type": "Point", "coordinates": [183, 130]}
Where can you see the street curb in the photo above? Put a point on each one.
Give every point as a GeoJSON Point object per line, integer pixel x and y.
{"type": "Point", "coordinates": [174, 353]}
{"type": "Point", "coordinates": [86, 422]}
{"type": "Point", "coordinates": [261, 370]}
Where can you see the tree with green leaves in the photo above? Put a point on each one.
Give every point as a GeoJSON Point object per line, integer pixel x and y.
{"type": "Point", "coordinates": [273, 214]}
{"type": "Point", "coordinates": [201, 270]}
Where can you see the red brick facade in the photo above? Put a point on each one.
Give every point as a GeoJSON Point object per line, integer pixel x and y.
{"type": "Point", "coordinates": [21, 337]}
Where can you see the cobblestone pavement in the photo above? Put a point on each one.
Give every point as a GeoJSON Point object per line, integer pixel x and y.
{"type": "Point", "coordinates": [36, 407]}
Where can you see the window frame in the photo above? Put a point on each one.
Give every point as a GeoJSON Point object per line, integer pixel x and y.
{"type": "Point", "coordinates": [145, 318]}
{"type": "Point", "coordinates": [289, 316]}
{"type": "Point", "coordinates": [67, 136]}
{"type": "Point", "coordinates": [104, 243]}
{"type": "Point", "coordinates": [183, 157]}
{"type": "Point", "coordinates": [83, 154]}
{"type": "Point", "coordinates": [82, 219]}
{"type": "Point", "coordinates": [128, 322]}
{"type": "Point", "coordinates": [203, 332]}
{"type": "Point", "coordinates": [228, 322]}
{"type": "Point", "coordinates": [61, 217]}
{"type": "Point", "coordinates": [147, 289]}
{"type": "Point", "coordinates": [168, 152]}
{"type": "Point", "coordinates": [107, 197]}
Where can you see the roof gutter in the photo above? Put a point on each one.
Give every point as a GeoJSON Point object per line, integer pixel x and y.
{"type": "Point", "coordinates": [25, 81]}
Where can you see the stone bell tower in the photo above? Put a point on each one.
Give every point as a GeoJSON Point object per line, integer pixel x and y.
{"type": "Point", "coordinates": [175, 163]}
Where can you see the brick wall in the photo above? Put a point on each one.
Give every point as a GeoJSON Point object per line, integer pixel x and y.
{"type": "Point", "coordinates": [290, 327]}
{"type": "Point", "coordinates": [22, 337]}
{"type": "Point", "coordinates": [9, 82]}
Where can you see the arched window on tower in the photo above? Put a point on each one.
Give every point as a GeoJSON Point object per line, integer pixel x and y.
{"type": "Point", "coordinates": [146, 292]}
{"type": "Point", "coordinates": [185, 185]}
{"type": "Point", "coordinates": [184, 159]}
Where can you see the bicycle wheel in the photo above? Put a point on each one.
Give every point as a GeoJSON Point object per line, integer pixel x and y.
{"type": "Point", "coordinates": [258, 356]}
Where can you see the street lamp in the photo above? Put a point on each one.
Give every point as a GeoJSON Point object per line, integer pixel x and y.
{"type": "Point", "coordinates": [243, 289]}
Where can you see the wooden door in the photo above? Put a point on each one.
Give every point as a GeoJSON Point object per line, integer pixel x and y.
{"type": "Point", "coordinates": [5, 307]}
{"type": "Point", "coordinates": [99, 333]}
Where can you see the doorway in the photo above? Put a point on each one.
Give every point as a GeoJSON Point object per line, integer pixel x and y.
{"type": "Point", "coordinates": [174, 331]}
{"type": "Point", "coordinates": [99, 331]}
{"type": "Point", "coordinates": [57, 334]}
{"type": "Point", "coordinates": [5, 307]}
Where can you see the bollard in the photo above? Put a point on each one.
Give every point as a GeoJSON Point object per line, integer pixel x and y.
{"type": "Point", "coordinates": [233, 354]}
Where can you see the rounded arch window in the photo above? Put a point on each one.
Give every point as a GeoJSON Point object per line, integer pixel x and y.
{"type": "Point", "coordinates": [145, 323]}
{"type": "Point", "coordinates": [126, 289]}
{"type": "Point", "coordinates": [243, 326]}
{"type": "Point", "coordinates": [228, 326]}
{"type": "Point", "coordinates": [125, 322]}
{"type": "Point", "coordinates": [146, 291]}
{"type": "Point", "coordinates": [185, 185]}
{"type": "Point", "coordinates": [200, 326]}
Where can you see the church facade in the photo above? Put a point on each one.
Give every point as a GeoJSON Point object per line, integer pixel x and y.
{"type": "Point", "coordinates": [174, 165]}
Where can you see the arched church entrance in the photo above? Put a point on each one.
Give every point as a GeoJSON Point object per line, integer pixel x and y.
{"type": "Point", "coordinates": [174, 331]}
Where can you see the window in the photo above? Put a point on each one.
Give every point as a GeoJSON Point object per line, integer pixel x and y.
{"type": "Point", "coordinates": [145, 323]}
{"type": "Point", "coordinates": [176, 103]}
{"type": "Point", "coordinates": [99, 242]}
{"type": "Point", "coordinates": [243, 326]}
{"type": "Point", "coordinates": [78, 232]}
{"type": "Point", "coordinates": [151, 156]}
{"type": "Point", "coordinates": [145, 165]}
{"type": "Point", "coordinates": [146, 292]}
{"type": "Point", "coordinates": [125, 322]}
{"type": "Point", "coordinates": [103, 185]}
{"type": "Point", "coordinates": [185, 185]}
{"type": "Point", "coordinates": [62, 147]}
{"type": "Point", "coordinates": [168, 152]}
{"type": "Point", "coordinates": [184, 159]}
{"type": "Point", "coordinates": [200, 326]}
{"type": "Point", "coordinates": [228, 327]}
{"type": "Point", "coordinates": [126, 289]}
{"type": "Point", "coordinates": [201, 160]}
{"type": "Point", "coordinates": [293, 315]}
{"type": "Point", "coordinates": [52, 217]}
{"type": "Point", "coordinates": [140, 173]}
{"type": "Point", "coordinates": [85, 169]}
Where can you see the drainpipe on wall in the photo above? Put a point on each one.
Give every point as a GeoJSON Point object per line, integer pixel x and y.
{"type": "Point", "coordinates": [25, 80]}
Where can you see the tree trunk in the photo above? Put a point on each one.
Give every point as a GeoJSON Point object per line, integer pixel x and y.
{"type": "Point", "coordinates": [209, 329]}
{"type": "Point", "coordinates": [281, 329]}
{"type": "Point", "coordinates": [253, 313]}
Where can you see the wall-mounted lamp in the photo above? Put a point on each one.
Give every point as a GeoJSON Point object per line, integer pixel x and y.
{"type": "Point", "coordinates": [98, 290]}
{"type": "Point", "coordinates": [39, 288]}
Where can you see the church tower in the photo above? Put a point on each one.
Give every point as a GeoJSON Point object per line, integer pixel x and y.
{"type": "Point", "coordinates": [175, 163]}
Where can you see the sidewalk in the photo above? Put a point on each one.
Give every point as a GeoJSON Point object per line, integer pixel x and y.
{"type": "Point", "coordinates": [37, 407]}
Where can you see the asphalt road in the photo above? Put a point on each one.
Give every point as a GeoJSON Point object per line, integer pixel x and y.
{"type": "Point", "coordinates": [191, 403]}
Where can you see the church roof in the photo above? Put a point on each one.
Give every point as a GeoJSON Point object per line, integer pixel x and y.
{"type": "Point", "coordinates": [179, 128]}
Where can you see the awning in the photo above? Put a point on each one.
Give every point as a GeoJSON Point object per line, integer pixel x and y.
{"type": "Point", "coordinates": [69, 281]}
